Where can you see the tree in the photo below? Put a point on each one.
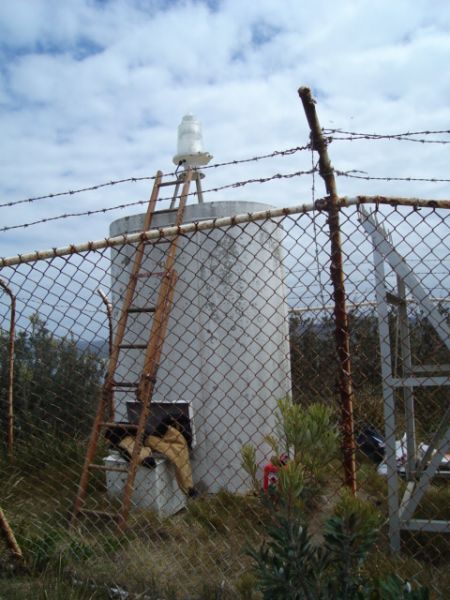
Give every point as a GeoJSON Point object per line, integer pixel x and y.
{"type": "Point", "coordinates": [56, 385]}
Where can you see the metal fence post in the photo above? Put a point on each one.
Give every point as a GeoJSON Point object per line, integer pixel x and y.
{"type": "Point", "coordinates": [319, 144]}
{"type": "Point", "coordinates": [10, 410]}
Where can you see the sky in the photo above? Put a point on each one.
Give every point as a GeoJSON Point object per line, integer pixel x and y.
{"type": "Point", "coordinates": [93, 91]}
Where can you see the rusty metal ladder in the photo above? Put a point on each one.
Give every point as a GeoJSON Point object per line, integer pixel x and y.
{"type": "Point", "coordinates": [153, 349]}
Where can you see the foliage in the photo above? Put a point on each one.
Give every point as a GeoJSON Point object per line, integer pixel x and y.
{"type": "Point", "coordinates": [55, 383]}
{"type": "Point", "coordinates": [314, 364]}
{"type": "Point", "coordinates": [313, 360]}
{"type": "Point", "coordinates": [288, 566]}
{"type": "Point", "coordinates": [248, 455]}
{"type": "Point", "coordinates": [349, 535]}
{"type": "Point", "coordinates": [308, 436]}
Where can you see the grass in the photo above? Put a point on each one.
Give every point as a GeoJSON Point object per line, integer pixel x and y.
{"type": "Point", "coordinates": [433, 576]}
{"type": "Point", "coordinates": [197, 554]}
{"type": "Point", "coordinates": [424, 556]}
{"type": "Point", "coordinates": [50, 587]}
{"type": "Point", "coordinates": [188, 555]}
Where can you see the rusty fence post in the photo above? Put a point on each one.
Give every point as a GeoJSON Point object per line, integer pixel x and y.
{"type": "Point", "coordinates": [10, 401]}
{"type": "Point", "coordinates": [8, 533]}
{"type": "Point", "coordinates": [319, 144]}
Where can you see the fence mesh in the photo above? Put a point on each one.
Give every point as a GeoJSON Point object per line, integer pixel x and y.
{"type": "Point", "coordinates": [251, 324]}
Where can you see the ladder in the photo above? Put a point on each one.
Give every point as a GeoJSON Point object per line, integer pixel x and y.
{"type": "Point", "coordinates": [146, 384]}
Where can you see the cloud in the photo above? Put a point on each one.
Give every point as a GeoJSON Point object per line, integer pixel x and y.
{"type": "Point", "coordinates": [92, 91]}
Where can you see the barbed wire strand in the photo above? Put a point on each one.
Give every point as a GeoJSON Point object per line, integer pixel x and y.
{"type": "Point", "coordinates": [402, 134]}
{"type": "Point", "coordinates": [275, 153]}
{"type": "Point", "coordinates": [354, 175]}
{"type": "Point", "coordinates": [393, 138]}
{"type": "Point", "coordinates": [405, 137]}
{"type": "Point", "coordinates": [142, 202]}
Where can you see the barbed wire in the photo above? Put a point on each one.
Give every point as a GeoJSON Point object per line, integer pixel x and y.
{"type": "Point", "coordinates": [236, 184]}
{"type": "Point", "coordinates": [398, 139]}
{"type": "Point", "coordinates": [275, 153]}
{"type": "Point", "coordinates": [381, 135]}
{"type": "Point", "coordinates": [354, 175]}
{"type": "Point", "coordinates": [402, 137]}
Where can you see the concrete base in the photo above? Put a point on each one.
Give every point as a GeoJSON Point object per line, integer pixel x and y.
{"type": "Point", "coordinates": [155, 488]}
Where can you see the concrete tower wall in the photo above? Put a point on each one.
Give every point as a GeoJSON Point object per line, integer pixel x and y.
{"type": "Point", "coordinates": [226, 351]}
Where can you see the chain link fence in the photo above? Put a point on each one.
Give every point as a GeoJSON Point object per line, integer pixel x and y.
{"type": "Point", "coordinates": [251, 324]}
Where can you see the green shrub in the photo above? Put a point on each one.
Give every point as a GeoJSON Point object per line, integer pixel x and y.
{"type": "Point", "coordinates": [308, 436]}
{"type": "Point", "coordinates": [288, 566]}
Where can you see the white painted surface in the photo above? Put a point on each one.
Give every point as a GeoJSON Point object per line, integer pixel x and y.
{"type": "Point", "coordinates": [226, 352]}
{"type": "Point", "coordinates": [154, 488]}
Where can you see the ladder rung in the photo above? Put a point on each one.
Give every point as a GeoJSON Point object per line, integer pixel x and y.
{"type": "Point", "coordinates": [133, 346]}
{"type": "Point", "coordinates": [106, 468]}
{"type": "Point", "coordinates": [98, 513]}
{"type": "Point", "coordinates": [167, 183]}
{"type": "Point", "coordinates": [158, 334]}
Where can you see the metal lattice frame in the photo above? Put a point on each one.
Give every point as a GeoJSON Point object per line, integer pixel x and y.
{"type": "Point", "coordinates": [419, 470]}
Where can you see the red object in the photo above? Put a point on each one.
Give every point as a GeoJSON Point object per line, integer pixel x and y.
{"type": "Point", "coordinates": [270, 480]}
